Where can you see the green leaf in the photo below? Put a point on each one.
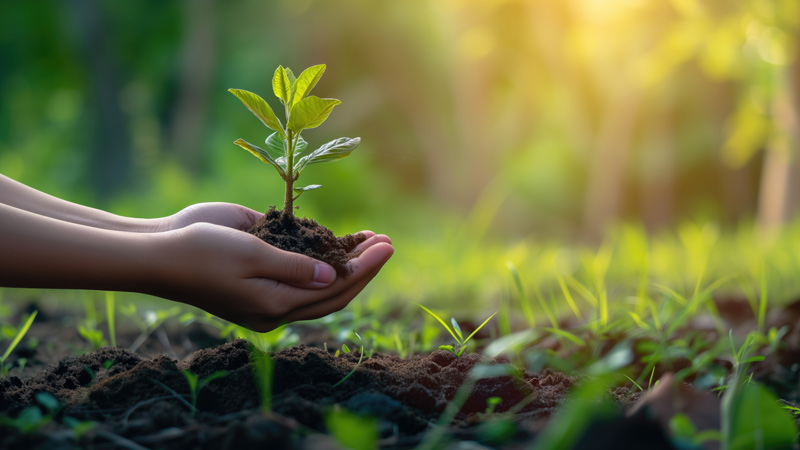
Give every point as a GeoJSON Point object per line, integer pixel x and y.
{"type": "Point", "coordinates": [278, 144]}
{"type": "Point", "coordinates": [567, 335]}
{"type": "Point", "coordinates": [759, 421]}
{"type": "Point", "coordinates": [306, 82]}
{"type": "Point", "coordinates": [310, 187]}
{"type": "Point", "coordinates": [310, 112]}
{"type": "Point", "coordinates": [260, 154]}
{"type": "Point", "coordinates": [332, 151]}
{"type": "Point", "coordinates": [47, 400]}
{"type": "Point", "coordinates": [439, 319]}
{"type": "Point", "coordinates": [457, 329]}
{"type": "Point", "coordinates": [281, 85]}
{"type": "Point", "coordinates": [20, 334]}
{"type": "Point", "coordinates": [345, 348]}
{"type": "Point", "coordinates": [351, 430]}
{"type": "Point", "coordinates": [214, 376]}
{"type": "Point", "coordinates": [292, 78]}
{"type": "Point", "coordinates": [259, 107]}
{"type": "Point", "coordinates": [191, 378]}
{"type": "Point", "coordinates": [479, 327]}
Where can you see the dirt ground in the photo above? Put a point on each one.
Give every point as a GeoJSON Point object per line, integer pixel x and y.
{"type": "Point", "coordinates": [142, 399]}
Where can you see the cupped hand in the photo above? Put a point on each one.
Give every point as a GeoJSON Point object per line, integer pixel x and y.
{"type": "Point", "coordinates": [240, 278]}
{"type": "Point", "coordinates": [225, 214]}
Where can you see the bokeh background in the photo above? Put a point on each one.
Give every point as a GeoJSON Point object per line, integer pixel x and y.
{"type": "Point", "coordinates": [538, 117]}
{"type": "Point", "coordinates": [492, 130]}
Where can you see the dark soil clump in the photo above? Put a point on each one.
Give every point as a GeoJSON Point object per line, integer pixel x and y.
{"type": "Point", "coordinates": [307, 237]}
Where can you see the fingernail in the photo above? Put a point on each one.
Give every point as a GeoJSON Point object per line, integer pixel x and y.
{"type": "Point", "coordinates": [323, 273]}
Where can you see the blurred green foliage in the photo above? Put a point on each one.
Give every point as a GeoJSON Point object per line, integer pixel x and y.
{"type": "Point", "coordinates": [123, 105]}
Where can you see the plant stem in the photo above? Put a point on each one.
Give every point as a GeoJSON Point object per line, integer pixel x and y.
{"type": "Point", "coordinates": [288, 197]}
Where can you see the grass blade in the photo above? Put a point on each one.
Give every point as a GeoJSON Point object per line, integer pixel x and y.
{"type": "Point", "coordinates": [20, 334]}
{"type": "Point", "coordinates": [479, 327]}
{"type": "Point", "coordinates": [568, 297]}
{"type": "Point", "coordinates": [447, 327]}
{"type": "Point", "coordinates": [523, 299]}
{"type": "Point", "coordinates": [112, 335]}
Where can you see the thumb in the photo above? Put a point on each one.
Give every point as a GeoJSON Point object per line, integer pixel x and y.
{"type": "Point", "coordinates": [296, 269]}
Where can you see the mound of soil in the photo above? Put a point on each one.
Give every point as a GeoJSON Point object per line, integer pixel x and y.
{"type": "Point", "coordinates": [144, 401]}
{"type": "Point", "coordinates": [306, 236]}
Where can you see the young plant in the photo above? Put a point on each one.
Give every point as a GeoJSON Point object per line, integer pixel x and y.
{"type": "Point", "coordinates": [461, 343]}
{"type": "Point", "coordinates": [360, 358]}
{"type": "Point", "coordinates": [18, 337]}
{"type": "Point", "coordinates": [196, 385]}
{"type": "Point", "coordinates": [285, 145]}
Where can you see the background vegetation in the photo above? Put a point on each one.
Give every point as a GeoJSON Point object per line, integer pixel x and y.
{"type": "Point", "coordinates": [492, 130]}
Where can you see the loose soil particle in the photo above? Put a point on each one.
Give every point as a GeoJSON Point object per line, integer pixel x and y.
{"type": "Point", "coordinates": [306, 236]}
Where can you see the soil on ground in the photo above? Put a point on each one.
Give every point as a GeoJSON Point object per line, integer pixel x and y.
{"type": "Point", "coordinates": [306, 236]}
{"type": "Point", "coordinates": [116, 398]}
{"type": "Point", "coordinates": [145, 400]}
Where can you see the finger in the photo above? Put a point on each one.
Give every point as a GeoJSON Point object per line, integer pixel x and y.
{"type": "Point", "coordinates": [364, 268]}
{"type": "Point", "coordinates": [293, 298]}
{"type": "Point", "coordinates": [246, 217]}
{"type": "Point", "coordinates": [337, 303]}
{"type": "Point", "coordinates": [375, 255]}
{"type": "Point", "coordinates": [369, 242]}
{"type": "Point", "coordinates": [293, 268]}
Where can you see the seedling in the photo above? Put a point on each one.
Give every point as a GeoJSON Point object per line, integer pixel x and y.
{"type": "Point", "coordinates": [285, 145]}
{"type": "Point", "coordinates": [360, 357]}
{"type": "Point", "coordinates": [491, 404]}
{"type": "Point", "coordinates": [17, 338]}
{"type": "Point", "coordinates": [196, 385]}
{"type": "Point", "coordinates": [148, 322]}
{"type": "Point", "coordinates": [461, 343]}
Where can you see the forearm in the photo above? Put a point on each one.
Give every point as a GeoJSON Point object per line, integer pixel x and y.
{"type": "Point", "coordinates": [42, 252]}
{"type": "Point", "coordinates": [20, 196]}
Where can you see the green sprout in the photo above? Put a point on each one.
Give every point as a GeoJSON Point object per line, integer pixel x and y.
{"type": "Point", "coordinates": [360, 358]}
{"type": "Point", "coordinates": [285, 145]}
{"type": "Point", "coordinates": [18, 337]}
{"type": "Point", "coordinates": [455, 331]}
{"type": "Point", "coordinates": [196, 385]}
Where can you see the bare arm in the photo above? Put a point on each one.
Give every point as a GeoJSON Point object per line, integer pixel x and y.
{"type": "Point", "coordinates": [229, 273]}
{"type": "Point", "coordinates": [40, 251]}
{"type": "Point", "coordinates": [20, 196]}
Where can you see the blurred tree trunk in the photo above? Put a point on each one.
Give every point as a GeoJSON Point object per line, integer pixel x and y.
{"type": "Point", "coordinates": [779, 191]}
{"type": "Point", "coordinates": [196, 71]}
{"type": "Point", "coordinates": [608, 161]}
{"type": "Point", "coordinates": [110, 160]}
